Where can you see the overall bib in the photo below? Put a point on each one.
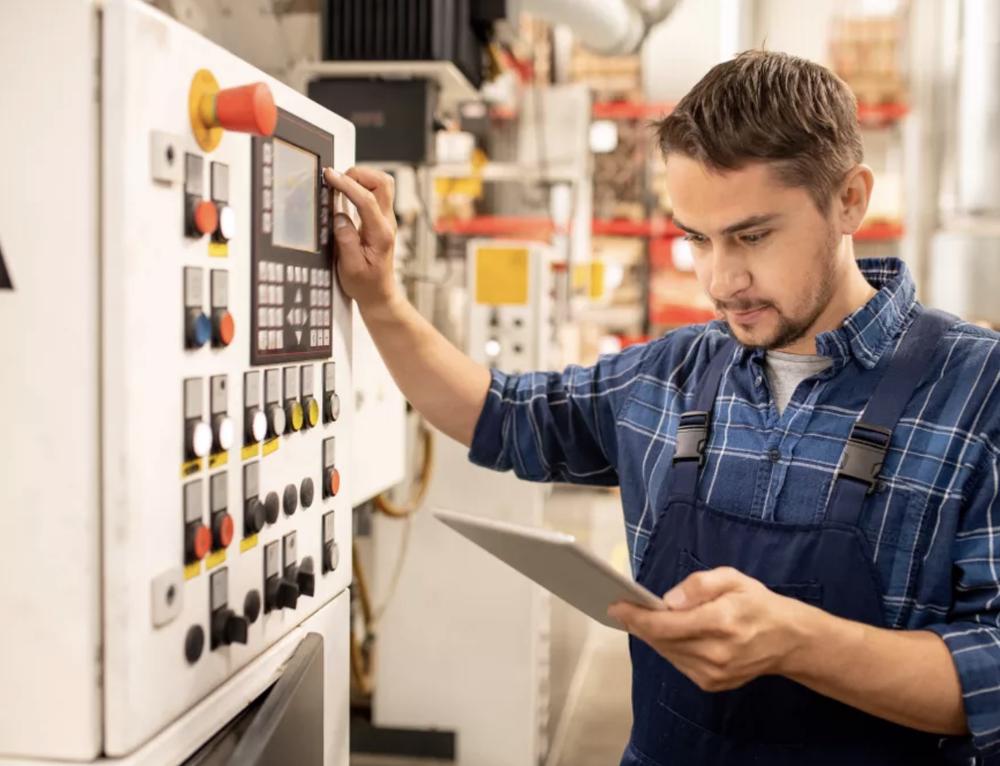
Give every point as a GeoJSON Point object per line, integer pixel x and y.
{"type": "Point", "coordinates": [773, 721]}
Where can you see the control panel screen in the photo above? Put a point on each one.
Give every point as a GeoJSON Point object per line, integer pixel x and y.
{"type": "Point", "coordinates": [295, 184]}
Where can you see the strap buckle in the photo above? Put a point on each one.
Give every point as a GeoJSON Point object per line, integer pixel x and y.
{"type": "Point", "coordinates": [692, 436]}
{"type": "Point", "coordinates": [864, 454]}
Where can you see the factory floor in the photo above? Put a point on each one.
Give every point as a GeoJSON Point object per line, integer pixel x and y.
{"type": "Point", "coordinates": [591, 676]}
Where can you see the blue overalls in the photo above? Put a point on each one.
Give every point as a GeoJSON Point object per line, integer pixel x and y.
{"type": "Point", "coordinates": [773, 721]}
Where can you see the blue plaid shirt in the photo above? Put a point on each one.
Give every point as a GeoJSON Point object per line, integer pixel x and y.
{"type": "Point", "coordinates": [933, 523]}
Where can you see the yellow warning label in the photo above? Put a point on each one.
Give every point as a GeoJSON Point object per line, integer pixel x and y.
{"type": "Point", "coordinates": [502, 275]}
{"type": "Point", "coordinates": [218, 460]}
{"type": "Point", "coordinates": [247, 543]}
{"type": "Point", "coordinates": [218, 249]}
{"type": "Point", "coordinates": [214, 559]}
{"type": "Point", "coordinates": [192, 467]}
{"type": "Point", "coordinates": [271, 445]}
{"type": "Point", "coordinates": [192, 570]}
{"type": "Point", "coordinates": [250, 451]}
{"type": "Point", "coordinates": [581, 276]}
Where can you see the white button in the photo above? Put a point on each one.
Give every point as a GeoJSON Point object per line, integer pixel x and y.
{"type": "Point", "coordinates": [262, 294]}
{"type": "Point", "coordinates": [266, 153]}
{"type": "Point", "coordinates": [326, 317]}
{"type": "Point", "coordinates": [224, 433]}
{"type": "Point", "coordinates": [258, 426]}
{"type": "Point", "coordinates": [201, 439]}
{"type": "Point", "coordinates": [266, 199]}
{"type": "Point", "coordinates": [280, 299]}
{"type": "Point", "coordinates": [326, 297]}
{"type": "Point", "coordinates": [267, 176]}
{"type": "Point", "coordinates": [326, 279]}
{"type": "Point", "coordinates": [275, 318]}
{"type": "Point", "coordinates": [312, 337]}
{"type": "Point", "coordinates": [265, 221]}
{"type": "Point", "coordinates": [227, 222]}
{"type": "Point", "coordinates": [262, 340]}
{"type": "Point", "coordinates": [262, 317]}
{"type": "Point", "coordinates": [275, 338]}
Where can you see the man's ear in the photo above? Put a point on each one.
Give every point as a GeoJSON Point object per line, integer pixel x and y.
{"type": "Point", "coordinates": [853, 197]}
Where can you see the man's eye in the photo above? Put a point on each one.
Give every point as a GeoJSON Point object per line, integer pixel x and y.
{"type": "Point", "coordinates": [755, 238]}
{"type": "Point", "coordinates": [695, 239]}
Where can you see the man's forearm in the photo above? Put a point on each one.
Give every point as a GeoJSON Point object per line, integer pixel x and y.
{"type": "Point", "coordinates": [442, 383]}
{"type": "Point", "coordinates": [907, 677]}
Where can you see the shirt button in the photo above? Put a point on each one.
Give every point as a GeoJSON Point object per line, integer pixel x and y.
{"type": "Point", "coordinates": [774, 455]}
{"type": "Point", "coordinates": [759, 380]}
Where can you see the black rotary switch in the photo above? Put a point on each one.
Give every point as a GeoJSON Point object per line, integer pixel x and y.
{"type": "Point", "coordinates": [228, 628]}
{"type": "Point", "coordinates": [251, 606]}
{"type": "Point", "coordinates": [272, 507]}
{"type": "Point", "coordinates": [280, 594]}
{"type": "Point", "coordinates": [307, 492]}
{"type": "Point", "coordinates": [290, 501]}
{"type": "Point", "coordinates": [306, 578]}
{"type": "Point", "coordinates": [254, 518]}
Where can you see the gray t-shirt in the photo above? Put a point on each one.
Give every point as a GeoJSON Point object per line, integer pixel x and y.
{"type": "Point", "coordinates": [786, 371]}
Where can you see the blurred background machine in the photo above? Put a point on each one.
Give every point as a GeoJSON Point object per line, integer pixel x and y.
{"type": "Point", "coordinates": [177, 474]}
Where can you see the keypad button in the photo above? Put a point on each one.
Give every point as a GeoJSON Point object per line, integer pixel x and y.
{"type": "Point", "coordinates": [265, 222]}
{"type": "Point", "coordinates": [262, 340]}
{"type": "Point", "coordinates": [266, 199]}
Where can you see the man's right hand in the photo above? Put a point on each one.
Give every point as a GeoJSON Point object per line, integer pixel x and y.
{"type": "Point", "coordinates": [365, 256]}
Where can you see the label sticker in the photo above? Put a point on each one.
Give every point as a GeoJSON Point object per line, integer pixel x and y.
{"type": "Point", "coordinates": [218, 249]}
{"type": "Point", "coordinates": [247, 543]}
{"type": "Point", "coordinates": [215, 559]}
{"type": "Point", "coordinates": [271, 446]}
{"type": "Point", "coordinates": [192, 570]}
{"type": "Point", "coordinates": [250, 451]}
{"type": "Point", "coordinates": [191, 467]}
{"type": "Point", "coordinates": [218, 459]}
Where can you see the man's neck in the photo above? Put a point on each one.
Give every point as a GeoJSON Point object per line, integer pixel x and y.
{"type": "Point", "coordinates": [853, 292]}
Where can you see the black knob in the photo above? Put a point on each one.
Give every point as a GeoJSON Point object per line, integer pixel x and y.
{"type": "Point", "coordinates": [306, 578]}
{"type": "Point", "coordinates": [194, 643]}
{"type": "Point", "coordinates": [254, 518]}
{"type": "Point", "coordinates": [251, 606]}
{"type": "Point", "coordinates": [272, 507]}
{"type": "Point", "coordinates": [291, 499]}
{"type": "Point", "coordinates": [331, 410]}
{"type": "Point", "coordinates": [228, 628]}
{"type": "Point", "coordinates": [307, 492]}
{"type": "Point", "coordinates": [281, 594]}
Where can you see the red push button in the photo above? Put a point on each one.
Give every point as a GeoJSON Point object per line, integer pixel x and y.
{"type": "Point", "coordinates": [225, 328]}
{"type": "Point", "coordinates": [332, 484]}
{"type": "Point", "coordinates": [223, 529]}
{"type": "Point", "coordinates": [198, 541]}
{"type": "Point", "coordinates": [206, 217]}
{"type": "Point", "coordinates": [246, 109]}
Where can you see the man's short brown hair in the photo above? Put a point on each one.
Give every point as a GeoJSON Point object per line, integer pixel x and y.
{"type": "Point", "coordinates": [769, 107]}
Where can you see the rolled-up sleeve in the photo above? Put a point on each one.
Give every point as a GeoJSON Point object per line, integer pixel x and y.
{"type": "Point", "coordinates": [972, 633]}
{"type": "Point", "coordinates": [552, 426]}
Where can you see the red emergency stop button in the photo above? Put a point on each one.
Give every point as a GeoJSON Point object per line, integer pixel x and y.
{"type": "Point", "coordinates": [331, 483]}
{"type": "Point", "coordinates": [225, 328]}
{"type": "Point", "coordinates": [197, 541]}
{"type": "Point", "coordinates": [206, 217]}
{"type": "Point", "coordinates": [246, 109]}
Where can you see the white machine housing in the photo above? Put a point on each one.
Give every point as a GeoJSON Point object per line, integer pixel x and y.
{"type": "Point", "coordinates": [511, 321]}
{"type": "Point", "coordinates": [97, 492]}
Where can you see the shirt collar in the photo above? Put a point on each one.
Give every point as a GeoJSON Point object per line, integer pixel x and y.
{"type": "Point", "coordinates": [868, 332]}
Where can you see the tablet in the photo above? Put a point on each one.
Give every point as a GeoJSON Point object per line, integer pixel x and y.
{"type": "Point", "coordinates": [557, 562]}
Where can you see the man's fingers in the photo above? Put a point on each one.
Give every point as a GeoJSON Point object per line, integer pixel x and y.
{"type": "Point", "coordinates": [372, 217]}
{"type": "Point", "coordinates": [668, 625]}
{"type": "Point", "coordinates": [378, 183]}
{"type": "Point", "coordinates": [702, 587]}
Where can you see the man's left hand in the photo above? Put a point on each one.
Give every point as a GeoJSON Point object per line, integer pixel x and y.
{"type": "Point", "coordinates": [722, 628]}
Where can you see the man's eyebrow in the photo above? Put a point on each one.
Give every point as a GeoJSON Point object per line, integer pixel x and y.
{"type": "Point", "coordinates": [746, 223]}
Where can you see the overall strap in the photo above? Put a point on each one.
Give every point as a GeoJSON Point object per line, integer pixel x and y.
{"type": "Point", "coordinates": [868, 443]}
{"type": "Point", "coordinates": [692, 433]}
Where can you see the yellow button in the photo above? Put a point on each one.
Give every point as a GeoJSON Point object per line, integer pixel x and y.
{"type": "Point", "coordinates": [312, 412]}
{"type": "Point", "coordinates": [297, 416]}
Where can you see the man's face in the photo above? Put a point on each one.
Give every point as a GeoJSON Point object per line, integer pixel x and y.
{"type": "Point", "coordinates": [763, 252]}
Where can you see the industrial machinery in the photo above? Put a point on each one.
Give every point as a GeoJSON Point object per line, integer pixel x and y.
{"type": "Point", "coordinates": [175, 473]}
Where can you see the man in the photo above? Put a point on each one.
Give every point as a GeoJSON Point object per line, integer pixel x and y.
{"type": "Point", "coordinates": [812, 481]}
